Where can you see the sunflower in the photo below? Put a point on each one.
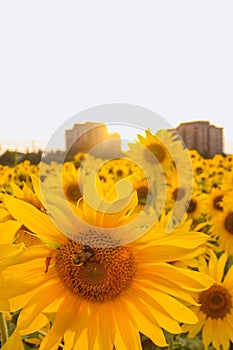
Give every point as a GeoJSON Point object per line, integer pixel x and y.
{"type": "Point", "coordinates": [200, 167]}
{"type": "Point", "coordinates": [202, 183]}
{"type": "Point", "coordinates": [78, 158]}
{"type": "Point", "coordinates": [194, 155]}
{"type": "Point", "coordinates": [179, 192]}
{"type": "Point", "coordinates": [227, 181]}
{"type": "Point", "coordinates": [215, 310]}
{"type": "Point", "coordinates": [27, 193]}
{"type": "Point", "coordinates": [228, 162]}
{"type": "Point", "coordinates": [98, 292]}
{"type": "Point", "coordinates": [153, 150]}
{"type": "Point", "coordinates": [213, 202]}
{"type": "Point", "coordinates": [195, 208]}
{"type": "Point", "coordinates": [222, 229]}
{"type": "Point", "coordinates": [70, 183]}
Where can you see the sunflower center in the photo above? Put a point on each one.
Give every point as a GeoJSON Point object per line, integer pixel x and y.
{"type": "Point", "coordinates": [215, 302]}
{"type": "Point", "coordinates": [157, 152]}
{"type": "Point", "coordinates": [73, 193]}
{"type": "Point", "coordinates": [192, 207]}
{"type": "Point", "coordinates": [22, 177]}
{"type": "Point", "coordinates": [119, 173]}
{"type": "Point", "coordinates": [217, 203]}
{"type": "Point", "coordinates": [228, 223]}
{"type": "Point", "coordinates": [178, 193]}
{"type": "Point", "coordinates": [199, 170]}
{"type": "Point", "coordinates": [142, 193]}
{"type": "Point", "coordinates": [95, 270]}
{"type": "Point", "coordinates": [102, 178]}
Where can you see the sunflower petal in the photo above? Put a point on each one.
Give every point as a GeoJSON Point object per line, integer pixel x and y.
{"type": "Point", "coordinates": [14, 342]}
{"type": "Point", "coordinates": [32, 309]}
{"type": "Point", "coordinates": [8, 231]}
{"type": "Point", "coordinates": [34, 220]}
{"type": "Point", "coordinates": [62, 323]}
{"type": "Point", "coordinates": [220, 267]}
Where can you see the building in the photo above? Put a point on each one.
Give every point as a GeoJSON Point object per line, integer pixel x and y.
{"type": "Point", "coordinates": [207, 139]}
{"type": "Point", "coordinates": [93, 138]}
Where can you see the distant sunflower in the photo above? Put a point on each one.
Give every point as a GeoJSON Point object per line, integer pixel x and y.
{"type": "Point", "coordinates": [27, 193]}
{"type": "Point", "coordinates": [213, 203]}
{"type": "Point", "coordinates": [222, 229]}
{"type": "Point", "coordinates": [202, 183]}
{"type": "Point", "coordinates": [228, 162]}
{"type": "Point", "coordinates": [151, 150]}
{"type": "Point", "coordinates": [200, 167]}
{"type": "Point", "coordinates": [195, 207]}
{"type": "Point", "coordinates": [78, 158]}
{"type": "Point", "coordinates": [215, 312]}
{"type": "Point", "coordinates": [100, 293]}
{"type": "Point", "coordinates": [12, 231]}
{"type": "Point", "coordinates": [195, 155]}
{"type": "Point", "coordinates": [227, 181]}
{"type": "Point", "coordinates": [70, 183]}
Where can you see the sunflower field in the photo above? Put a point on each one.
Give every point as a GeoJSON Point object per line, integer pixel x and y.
{"type": "Point", "coordinates": [128, 253]}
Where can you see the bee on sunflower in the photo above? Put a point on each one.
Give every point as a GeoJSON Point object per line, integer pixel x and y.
{"type": "Point", "coordinates": [108, 281]}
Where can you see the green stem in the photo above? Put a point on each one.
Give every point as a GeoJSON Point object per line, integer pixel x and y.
{"type": "Point", "coordinates": [171, 344]}
{"type": "Point", "coordinates": [3, 328]}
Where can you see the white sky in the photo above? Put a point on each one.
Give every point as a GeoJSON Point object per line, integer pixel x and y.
{"type": "Point", "coordinates": [61, 57]}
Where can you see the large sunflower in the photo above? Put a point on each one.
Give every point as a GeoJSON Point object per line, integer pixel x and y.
{"type": "Point", "coordinates": [98, 292]}
{"type": "Point", "coordinates": [215, 312]}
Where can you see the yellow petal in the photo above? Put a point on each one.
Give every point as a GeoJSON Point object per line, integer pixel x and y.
{"type": "Point", "coordinates": [106, 322]}
{"type": "Point", "coordinates": [195, 329]}
{"type": "Point", "coordinates": [81, 320]}
{"type": "Point", "coordinates": [62, 322]}
{"type": "Point", "coordinates": [229, 326]}
{"type": "Point", "coordinates": [38, 322]}
{"type": "Point", "coordinates": [68, 340]}
{"type": "Point", "coordinates": [14, 342]}
{"type": "Point", "coordinates": [8, 250]}
{"type": "Point", "coordinates": [92, 326]}
{"type": "Point", "coordinates": [215, 336]}
{"type": "Point", "coordinates": [228, 280]}
{"type": "Point", "coordinates": [221, 267]}
{"type": "Point", "coordinates": [185, 278]}
{"type": "Point", "coordinates": [38, 303]}
{"type": "Point", "coordinates": [81, 342]}
{"type": "Point", "coordinates": [145, 305]}
{"type": "Point", "coordinates": [4, 306]}
{"type": "Point", "coordinates": [222, 333]}
{"type": "Point", "coordinates": [173, 307]}
{"type": "Point", "coordinates": [34, 220]}
{"type": "Point", "coordinates": [213, 265]}
{"type": "Point", "coordinates": [143, 324]}
{"type": "Point", "coordinates": [127, 336]}
{"type": "Point", "coordinates": [19, 281]}
{"type": "Point", "coordinates": [163, 253]}
{"type": "Point", "coordinates": [28, 255]}
{"type": "Point", "coordinates": [208, 332]}
{"type": "Point", "coordinates": [183, 239]}
{"type": "Point", "coordinates": [8, 231]}
{"type": "Point", "coordinates": [36, 186]}
{"type": "Point", "coordinates": [166, 286]}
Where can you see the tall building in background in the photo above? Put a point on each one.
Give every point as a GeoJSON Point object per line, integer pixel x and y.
{"type": "Point", "coordinates": [94, 138]}
{"type": "Point", "coordinates": [207, 139]}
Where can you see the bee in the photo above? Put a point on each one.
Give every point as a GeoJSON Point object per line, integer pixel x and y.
{"type": "Point", "coordinates": [85, 254]}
